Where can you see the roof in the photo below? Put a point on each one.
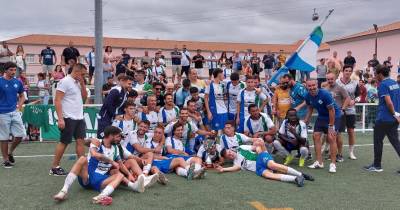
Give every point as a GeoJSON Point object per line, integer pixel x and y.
{"type": "Point", "coordinates": [61, 40]}
{"type": "Point", "coordinates": [381, 29]}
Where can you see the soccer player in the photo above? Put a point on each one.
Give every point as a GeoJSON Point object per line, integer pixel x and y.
{"type": "Point", "coordinates": [328, 122]}
{"type": "Point", "coordinates": [292, 136]}
{"type": "Point", "coordinates": [249, 95]}
{"type": "Point", "coordinates": [349, 114]}
{"type": "Point", "coordinates": [113, 103]}
{"type": "Point", "coordinates": [100, 171]}
{"type": "Point", "coordinates": [176, 148]}
{"type": "Point", "coordinates": [231, 139]}
{"type": "Point", "coordinates": [217, 112]}
{"type": "Point", "coordinates": [259, 125]}
{"type": "Point", "coordinates": [255, 158]}
{"type": "Point", "coordinates": [190, 130]}
{"type": "Point", "coordinates": [388, 117]}
{"type": "Point", "coordinates": [129, 120]}
{"type": "Point", "coordinates": [169, 112]}
{"type": "Point", "coordinates": [135, 144]}
{"type": "Point", "coordinates": [233, 89]}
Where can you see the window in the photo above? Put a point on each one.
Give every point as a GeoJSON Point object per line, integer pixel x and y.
{"type": "Point", "coordinates": [30, 58]}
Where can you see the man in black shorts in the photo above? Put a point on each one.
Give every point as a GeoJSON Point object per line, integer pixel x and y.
{"type": "Point", "coordinates": [70, 95]}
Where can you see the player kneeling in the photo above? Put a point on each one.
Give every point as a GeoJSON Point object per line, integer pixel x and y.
{"type": "Point", "coordinates": [262, 163]}
{"type": "Point", "coordinates": [94, 172]}
{"type": "Point", "coordinates": [292, 136]}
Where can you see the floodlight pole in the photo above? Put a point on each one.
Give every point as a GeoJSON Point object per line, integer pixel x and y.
{"type": "Point", "coordinates": [98, 33]}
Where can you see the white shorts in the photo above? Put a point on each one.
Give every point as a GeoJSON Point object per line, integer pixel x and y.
{"type": "Point", "coordinates": [268, 72]}
{"type": "Point", "coordinates": [11, 123]}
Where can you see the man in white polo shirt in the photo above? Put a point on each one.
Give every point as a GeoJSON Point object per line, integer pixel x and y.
{"type": "Point", "coordinates": [71, 92]}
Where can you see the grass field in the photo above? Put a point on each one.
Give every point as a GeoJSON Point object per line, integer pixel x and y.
{"type": "Point", "coordinates": [28, 186]}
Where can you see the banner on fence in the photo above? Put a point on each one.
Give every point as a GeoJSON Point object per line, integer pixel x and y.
{"type": "Point", "coordinates": [53, 133]}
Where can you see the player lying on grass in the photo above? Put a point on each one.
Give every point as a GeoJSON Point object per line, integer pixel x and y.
{"type": "Point", "coordinates": [101, 169]}
{"type": "Point", "coordinates": [230, 139]}
{"type": "Point", "coordinates": [292, 136]}
{"type": "Point", "coordinates": [256, 158]}
{"type": "Point", "coordinates": [175, 148]}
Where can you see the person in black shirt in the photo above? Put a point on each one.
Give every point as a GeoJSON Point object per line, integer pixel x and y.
{"type": "Point", "coordinates": [269, 62]}
{"type": "Point", "coordinates": [349, 60]}
{"type": "Point", "coordinates": [198, 62]}
{"type": "Point", "coordinates": [69, 53]}
{"type": "Point", "coordinates": [388, 63]}
{"type": "Point", "coordinates": [158, 88]}
{"type": "Point", "coordinates": [107, 87]}
{"type": "Point", "coordinates": [373, 62]}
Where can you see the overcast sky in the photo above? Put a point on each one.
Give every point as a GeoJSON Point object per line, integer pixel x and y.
{"type": "Point", "coordinates": [250, 21]}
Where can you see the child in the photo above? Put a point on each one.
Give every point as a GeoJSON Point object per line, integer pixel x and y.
{"type": "Point", "coordinates": [44, 87]}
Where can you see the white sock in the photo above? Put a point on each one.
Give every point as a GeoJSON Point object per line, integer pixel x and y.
{"type": "Point", "coordinates": [107, 191]}
{"type": "Point", "coordinates": [294, 172]}
{"type": "Point", "coordinates": [351, 148]}
{"type": "Point", "coordinates": [287, 178]}
{"type": "Point", "coordinates": [132, 185]}
{"type": "Point", "coordinates": [197, 167]}
{"type": "Point", "coordinates": [68, 181]}
{"type": "Point", "coordinates": [181, 171]}
{"type": "Point", "coordinates": [146, 168]}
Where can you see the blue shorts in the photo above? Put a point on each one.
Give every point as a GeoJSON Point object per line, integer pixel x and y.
{"type": "Point", "coordinates": [163, 165]}
{"type": "Point", "coordinates": [218, 121]}
{"type": "Point", "coordinates": [94, 181]}
{"type": "Point", "coordinates": [231, 116]}
{"type": "Point", "coordinates": [178, 156]}
{"type": "Point", "coordinates": [262, 162]}
{"type": "Point", "coordinates": [290, 147]}
{"type": "Point", "coordinates": [321, 125]}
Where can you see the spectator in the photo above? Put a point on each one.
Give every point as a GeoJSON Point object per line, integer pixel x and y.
{"type": "Point", "coordinates": [185, 61]}
{"type": "Point", "coordinates": [20, 60]}
{"type": "Point", "coordinates": [146, 59]}
{"type": "Point", "coordinates": [333, 69]}
{"type": "Point", "coordinates": [247, 71]}
{"type": "Point", "coordinates": [10, 104]}
{"type": "Point", "coordinates": [44, 88]}
{"type": "Point", "coordinates": [159, 57]}
{"type": "Point", "coordinates": [255, 63]}
{"type": "Point", "coordinates": [125, 56]}
{"type": "Point", "coordinates": [22, 78]}
{"type": "Point", "coordinates": [222, 59]}
{"type": "Point", "coordinates": [158, 69]}
{"type": "Point", "coordinates": [107, 86]}
{"type": "Point", "coordinates": [48, 59]}
{"type": "Point", "coordinates": [373, 63]}
{"type": "Point", "coordinates": [182, 93]}
{"type": "Point", "coordinates": [372, 96]}
{"type": "Point", "coordinates": [388, 63]}
{"type": "Point", "coordinates": [90, 60]}
{"type": "Point", "coordinates": [363, 91]}
{"type": "Point", "coordinates": [5, 54]}
{"type": "Point", "coordinates": [176, 58]}
{"type": "Point", "coordinates": [157, 90]}
{"type": "Point", "coordinates": [71, 93]}
{"type": "Point", "coordinates": [58, 73]}
{"type": "Point", "coordinates": [108, 67]}
{"type": "Point", "coordinates": [349, 60]}
{"type": "Point", "coordinates": [236, 62]}
{"type": "Point", "coordinates": [211, 63]}
{"type": "Point", "coordinates": [269, 62]}
{"type": "Point", "coordinates": [247, 55]}
{"type": "Point", "coordinates": [196, 82]}
{"type": "Point", "coordinates": [198, 62]}
{"type": "Point", "coordinates": [281, 59]}
{"type": "Point", "coordinates": [322, 70]}
{"type": "Point", "coordinates": [337, 62]}
{"type": "Point", "coordinates": [169, 88]}
{"type": "Point", "coordinates": [69, 53]}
